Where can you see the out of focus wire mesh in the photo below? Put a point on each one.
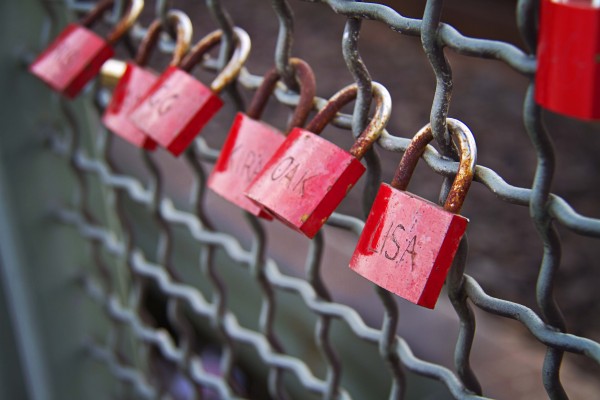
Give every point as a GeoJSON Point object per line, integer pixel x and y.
{"type": "Point", "coordinates": [208, 302]}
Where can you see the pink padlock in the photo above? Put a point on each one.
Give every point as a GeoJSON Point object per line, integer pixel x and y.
{"type": "Point", "coordinates": [251, 143]}
{"type": "Point", "coordinates": [77, 54]}
{"type": "Point", "coordinates": [408, 243]}
{"type": "Point", "coordinates": [308, 176]}
{"type": "Point", "coordinates": [177, 106]}
{"type": "Point", "coordinates": [137, 80]}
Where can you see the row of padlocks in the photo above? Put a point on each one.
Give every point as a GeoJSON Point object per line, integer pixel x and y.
{"type": "Point", "coordinates": [299, 178]}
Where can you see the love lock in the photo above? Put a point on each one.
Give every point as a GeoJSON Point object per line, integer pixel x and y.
{"type": "Point", "coordinates": [77, 54]}
{"type": "Point", "coordinates": [308, 176]}
{"type": "Point", "coordinates": [137, 80]}
{"type": "Point", "coordinates": [568, 70]}
{"type": "Point", "coordinates": [251, 142]}
{"type": "Point", "coordinates": [408, 243]}
{"type": "Point", "coordinates": [178, 106]}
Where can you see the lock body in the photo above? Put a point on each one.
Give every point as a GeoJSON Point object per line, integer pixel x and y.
{"type": "Point", "coordinates": [249, 145]}
{"type": "Point", "coordinates": [134, 83]}
{"type": "Point", "coordinates": [305, 181]}
{"type": "Point", "coordinates": [72, 60]}
{"type": "Point", "coordinates": [175, 109]}
{"type": "Point", "coordinates": [407, 245]}
{"type": "Point", "coordinates": [568, 71]}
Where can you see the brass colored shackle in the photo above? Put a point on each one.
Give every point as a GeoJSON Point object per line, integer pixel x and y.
{"type": "Point", "coordinates": [232, 69]}
{"type": "Point", "coordinates": [183, 29]}
{"type": "Point", "coordinates": [112, 70]}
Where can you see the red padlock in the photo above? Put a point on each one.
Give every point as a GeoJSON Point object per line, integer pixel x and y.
{"type": "Point", "coordinates": [308, 176]}
{"type": "Point", "coordinates": [137, 80]}
{"type": "Point", "coordinates": [568, 68]}
{"type": "Point", "coordinates": [251, 142]}
{"type": "Point", "coordinates": [408, 243]}
{"type": "Point", "coordinates": [178, 106]}
{"type": "Point", "coordinates": [77, 54]}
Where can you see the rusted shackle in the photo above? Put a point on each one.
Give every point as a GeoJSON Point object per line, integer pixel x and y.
{"type": "Point", "coordinates": [383, 110]}
{"type": "Point", "coordinates": [183, 37]}
{"type": "Point", "coordinates": [307, 83]}
{"type": "Point", "coordinates": [125, 23]}
{"type": "Point", "coordinates": [233, 67]}
{"type": "Point", "coordinates": [468, 157]}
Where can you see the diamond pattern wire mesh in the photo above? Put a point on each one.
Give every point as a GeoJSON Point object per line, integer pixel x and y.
{"type": "Point", "coordinates": [117, 241]}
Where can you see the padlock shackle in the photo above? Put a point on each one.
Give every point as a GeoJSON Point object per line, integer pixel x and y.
{"type": "Point", "coordinates": [307, 82]}
{"type": "Point", "coordinates": [233, 67]}
{"type": "Point", "coordinates": [182, 44]}
{"type": "Point", "coordinates": [383, 111]}
{"type": "Point", "coordinates": [468, 158]}
{"type": "Point", "coordinates": [333, 106]}
{"type": "Point", "coordinates": [125, 23]}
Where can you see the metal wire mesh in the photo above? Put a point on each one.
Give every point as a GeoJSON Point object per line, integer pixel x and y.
{"type": "Point", "coordinates": [124, 304]}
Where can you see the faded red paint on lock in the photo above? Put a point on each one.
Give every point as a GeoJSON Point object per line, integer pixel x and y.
{"type": "Point", "coordinates": [72, 60]}
{"type": "Point", "coordinates": [407, 245]}
{"type": "Point", "coordinates": [568, 67]}
{"type": "Point", "coordinates": [249, 145]}
{"type": "Point", "coordinates": [134, 83]}
{"type": "Point", "coordinates": [175, 109]}
{"type": "Point", "coordinates": [305, 181]}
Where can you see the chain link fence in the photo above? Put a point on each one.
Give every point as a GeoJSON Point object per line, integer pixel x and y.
{"type": "Point", "coordinates": [190, 310]}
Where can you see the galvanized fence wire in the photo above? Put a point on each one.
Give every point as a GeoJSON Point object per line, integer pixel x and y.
{"type": "Point", "coordinates": [118, 239]}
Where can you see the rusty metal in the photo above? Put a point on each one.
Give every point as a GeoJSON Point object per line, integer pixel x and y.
{"type": "Point", "coordinates": [383, 105]}
{"type": "Point", "coordinates": [262, 94]}
{"type": "Point", "coordinates": [306, 81]}
{"type": "Point", "coordinates": [182, 43]}
{"type": "Point", "coordinates": [411, 157]}
{"type": "Point", "coordinates": [200, 49]}
{"type": "Point", "coordinates": [97, 12]}
{"type": "Point", "coordinates": [330, 110]}
{"type": "Point", "coordinates": [233, 67]}
{"type": "Point", "coordinates": [383, 110]}
{"type": "Point", "coordinates": [464, 176]}
{"type": "Point", "coordinates": [125, 23]}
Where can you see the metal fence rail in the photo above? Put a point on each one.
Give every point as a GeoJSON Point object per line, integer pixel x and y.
{"type": "Point", "coordinates": [116, 240]}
